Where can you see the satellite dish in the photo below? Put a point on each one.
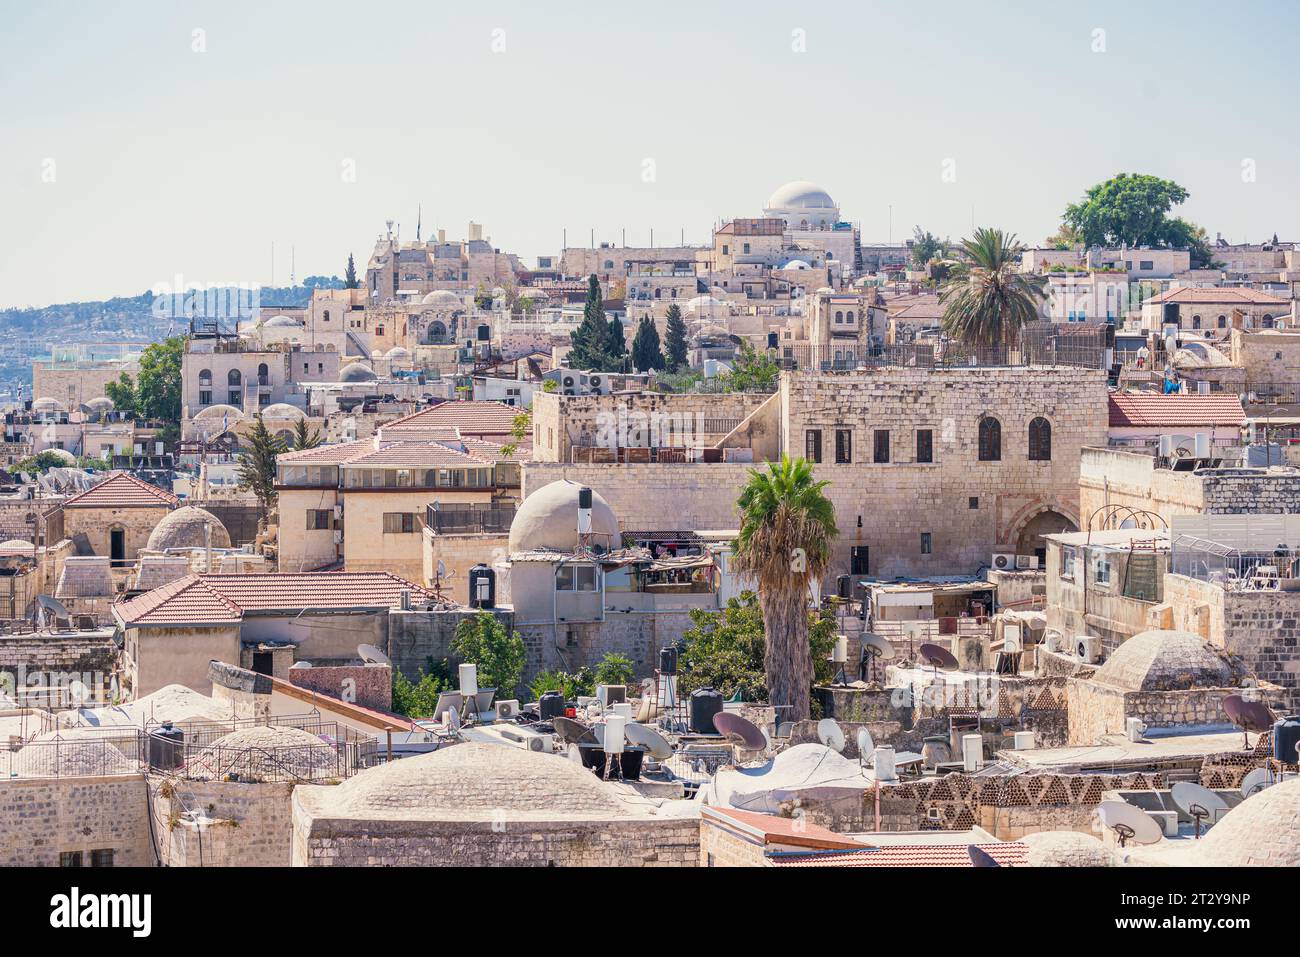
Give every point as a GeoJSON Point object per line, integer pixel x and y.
{"type": "Point", "coordinates": [866, 747]}
{"type": "Point", "coordinates": [1129, 823]}
{"type": "Point", "coordinates": [1257, 780]}
{"type": "Point", "coordinates": [829, 734]}
{"type": "Point", "coordinates": [453, 719]}
{"type": "Point", "coordinates": [1199, 803]}
{"type": "Point", "coordinates": [53, 607]}
{"type": "Point", "coordinates": [740, 731]}
{"type": "Point", "coordinates": [373, 655]}
{"type": "Point", "coordinates": [878, 646]}
{"type": "Point", "coordinates": [937, 657]}
{"type": "Point", "coordinates": [1248, 715]}
{"type": "Point", "coordinates": [656, 744]}
{"type": "Point", "coordinates": [570, 731]}
{"type": "Point", "coordinates": [980, 857]}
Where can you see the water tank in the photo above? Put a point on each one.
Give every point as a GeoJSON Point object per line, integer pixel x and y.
{"type": "Point", "coordinates": [551, 705]}
{"type": "Point", "coordinates": [1286, 735]}
{"type": "Point", "coordinates": [972, 752]}
{"type": "Point", "coordinates": [844, 586]}
{"type": "Point", "coordinates": [668, 661]}
{"type": "Point", "coordinates": [1261, 455]}
{"type": "Point", "coordinates": [484, 332]}
{"type": "Point", "coordinates": [482, 587]}
{"type": "Point", "coordinates": [705, 703]}
{"type": "Point", "coordinates": [885, 763]}
{"type": "Point", "coordinates": [166, 748]}
{"type": "Point", "coordinates": [468, 680]}
{"type": "Point", "coordinates": [614, 725]}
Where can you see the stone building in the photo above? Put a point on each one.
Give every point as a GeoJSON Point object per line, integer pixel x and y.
{"type": "Point", "coordinates": [114, 519]}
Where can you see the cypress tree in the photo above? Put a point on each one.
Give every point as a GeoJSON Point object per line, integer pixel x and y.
{"type": "Point", "coordinates": [590, 338]}
{"type": "Point", "coordinates": [646, 351]}
{"type": "Point", "coordinates": [675, 336]}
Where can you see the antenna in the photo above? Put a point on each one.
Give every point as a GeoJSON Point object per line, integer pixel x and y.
{"type": "Point", "coordinates": [875, 648]}
{"type": "Point", "coordinates": [1257, 780]}
{"type": "Point", "coordinates": [866, 747]}
{"type": "Point", "coordinates": [1129, 823]}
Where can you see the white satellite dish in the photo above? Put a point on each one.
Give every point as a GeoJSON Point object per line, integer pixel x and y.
{"type": "Point", "coordinates": [1197, 802]}
{"type": "Point", "coordinates": [656, 744]}
{"type": "Point", "coordinates": [866, 747]}
{"type": "Point", "coordinates": [1257, 780]}
{"type": "Point", "coordinates": [453, 719]}
{"type": "Point", "coordinates": [829, 734]}
{"type": "Point", "coordinates": [373, 655]}
{"type": "Point", "coordinates": [1130, 823]}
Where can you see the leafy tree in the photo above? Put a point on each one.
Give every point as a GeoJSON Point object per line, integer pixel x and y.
{"type": "Point", "coordinates": [675, 340]}
{"type": "Point", "coordinates": [926, 246]}
{"type": "Point", "coordinates": [615, 669]}
{"type": "Point", "coordinates": [572, 685]}
{"type": "Point", "coordinates": [590, 338]}
{"type": "Point", "coordinates": [350, 276]}
{"type": "Point", "coordinates": [484, 641]}
{"type": "Point", "coordinates": [1133, 209]}
{"type": "Point", "coordinates": [647, 354]}
{"type": "Point", "coordinates": [726, 649]}
{"type": "Point", "coordinates": [303, 438]}
{"type": "Point", "coordinates": [753, 371]}
{"type": "Point", "coordinates": [787, 525]}
{"type": "Point", "coordinates": [987, 300]}
{"type": "Point", "coordinates": [257, 465]}
{"type": "Point", "coordinates": [40, 462]}
{"type": "Point", "coordinates": [156, 394]}
{"type": "Point", "coordinates": [416, 699]}
{"type": "Point", "coordinates": [1066, 237]}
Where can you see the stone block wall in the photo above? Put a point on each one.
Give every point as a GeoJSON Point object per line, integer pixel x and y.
{"type": "Point", "coordinates": [43, 817]}
{"type": "Point", "coordinates": [250, 825]}
{"type": "Point", "coordinates": [370, 686]}
{"type": "Point", "coordinates": [1097, 709]}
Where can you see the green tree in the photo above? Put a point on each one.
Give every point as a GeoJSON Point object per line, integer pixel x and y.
{"type": "Point", "coordinates": [350, 276]}
{"type": "Point", "coordinates": [752, 371]}
{"type": "Point", "coordinates": [591, 336]}
{"type": "Point", "coordinates": [40, 462]}
{"type": "Point", "coordinates": [257, 465]}
{"type": "Point", "coordinates": [572, 685]}
{"type": "Point", "coordinates": [675, 340]}
{"type": "Point", "coordinates": [416, 699]}
{"type": "Point", "coordinates": [787, 525]}
{"type": "Point", "coordinates": [304, 438]}
{"type": "Point", "coordinates": [499, 654]}
{"type": "Point", "coordinates": [615, 345]}
{"type": "Point", "coordinates": [156, 393]}
{"type": "Point", "coordinates": [647, 355]}
{"type": "Point", "coordinates": [926, 246]}
{"type": "Point", "coordinates": [987, 300]}
{"type": "Point", "coordinates": [615, 669]}
{"type": "Point", "coordinates": [726, 649]}
{"type": "Point", "coordinates": [1133, 209]}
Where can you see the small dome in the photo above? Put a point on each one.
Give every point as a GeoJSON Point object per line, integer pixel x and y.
{"type": "Point", "coordinates": [267, 753]}
{"type": "Point", "coordinates": [1165, 661]}
{"type": "Point", "coordinates": [185, 528]}
{"type": "Point", "coordinates": [282, 410]}
{"type": "Point", "coordinates": [1066, 849]}
{"type": "Point", "coordinates": [63, 455]}
{"type": "Point", "coordinates": [219, 412]}
{"type": "Point", "coordinates": [796, 264]}
{"type": "Point", "coordinates": [102, 402]}
{"type": "Point", "coordinates": [548, 520]}
{"type": "Point", "coordinates": [15, 543]}
{"type": "Point", "coordinates": [281, 322]}
{"type": "Point", "coordinates": [397, 352]}
{"type": "Point", "coordinates": [800, 194]}
{"type": "Point", "coordinates": [357, 372]}
{"type": "Point", "coordinates": [1262, 831]}
{"type": "Point", "coordinates": [442, 299]}
{"type": "Point", "coordinates": [46, 404]}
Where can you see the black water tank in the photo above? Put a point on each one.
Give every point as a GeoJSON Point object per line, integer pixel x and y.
{"type": "Point", "coordinates": [668, 661]}
{"type": "Point", "coordinates": [1286, 735]}
{"type": "Point", "coordinates": [773, 340]}
{"type": "Point", "coordinates": [551, 705]}
{"type": "Point", "coordinates": [584, 497]}
{"type": "Point", "coordinates": [844, 586]}
{"type": "Point", "coordinates": [482, 587]}
{"type": "Point", "coordinates": [166, 748]}
{"type": "Point", "coordinates": [705, 703]}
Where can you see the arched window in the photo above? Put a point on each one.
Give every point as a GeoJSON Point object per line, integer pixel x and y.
{"type": "Point", "coordinates": [839, 315]}
{"type": "Point", "coordinates": [205, 377]}
{"type": "Point", "coordinates": [1223, 322]}
{"type": "Point", "coordinates": [327, 315]}
{"type": "Point", "coordinates": [1196, 322]}
{"type": "Point", "coordinates": [1268, 322]}
{"type": "Point", "coordinates": [233, 377]}
{"type": "Point", "coordinates": [990, 439]}
{"type": "Point", "coordinates": [1040, 440]}
{"type": "Point", "coordinates": [263, 374]}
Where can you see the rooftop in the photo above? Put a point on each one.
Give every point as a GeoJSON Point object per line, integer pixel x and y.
{"type": "Point", "coordinates": [123, 490]}
{"type": "Point", "coordinates": [1154, 410]}
{"type": "Point", "coordinates": [471, 418]}
{"type": "Point", "coordinates": [1215, 294]}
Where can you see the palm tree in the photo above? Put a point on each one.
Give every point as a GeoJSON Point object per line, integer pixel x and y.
{"type": "Point", "coordinates": [786, 528]}
{"type": "Point", "coordinates": [987, 300]}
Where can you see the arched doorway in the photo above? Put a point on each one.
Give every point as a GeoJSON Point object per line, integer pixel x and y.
{"type": "Point", "coordinates": [1048, 522]}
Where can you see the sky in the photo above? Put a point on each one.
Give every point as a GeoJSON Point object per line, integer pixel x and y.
{"type": "Point", "coordinates": [145, 141]}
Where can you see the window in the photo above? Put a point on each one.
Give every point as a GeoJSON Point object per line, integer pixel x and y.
{"type": "Point", "coordinates": [1146, 265]}
{"type": "Point", "coordinates": [102, 857]}
{"type": "Point", "coordinates": [233, 377]}
{"type": "Point", "coordinates": [746, 248]}
{"type": "Point", "coordinates": [927, 543]}
{"type": "Point", "coordinates": [399, 523]}
{"type": "Point", "coordinates": [924, 445]}
{"type": "Point", "coordinates": [327, 315]}
{"type": "Point", "coordinates": [973, 502]}
{"type": "Point", "coordinates": [1040, 440]}
{"type": "Point", "coordinates": [575, 578]}
{"type": "Point", "coordinates": [70, 859]}
{"type": "Point", "coordinates": [812, 445]}
{"type": "Point", "coordinates": [1101, 568]}
{"type": "Point", "coordinates": [880, 453]}
{"type": "Point", "coordinates": [843, 446]}
{"type": "Point", "coordinates": [1223, 322]}
{"type": "Point", "coordinates": [859, 560]}
{"type": "Point", "coordinates": [990, 439]}
{"type": "Point", "coordinates": [205, 397]}
{"type": "Point", "coordinates": [319, 519]}
{"type": "Point", "coordinates": [205, 377]}
{"type": "Point", "coordinates": [263, 374]}
{"type": "Point", "coordinates": [1067, 562]}
{"type": "Point", "coordinates": [725, 250]}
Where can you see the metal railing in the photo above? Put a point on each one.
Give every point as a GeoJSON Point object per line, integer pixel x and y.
{"type": "Point", "coordinates": [1232, 568]}
{"type": "Point", "coordinates": [469, 520]}
{"type": "Point", "coordinates": [1077, 350]}
{"type": "Point", "coordinates": [76, 753]}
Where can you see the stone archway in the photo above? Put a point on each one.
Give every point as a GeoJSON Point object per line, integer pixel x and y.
{"type": "Point", "coordinates": [1029, 541]}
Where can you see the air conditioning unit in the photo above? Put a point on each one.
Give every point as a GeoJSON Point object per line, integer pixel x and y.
{"type": "Point", "coordinates": [568, 381]}
{"type": "Point", "coordinates": [1088, 649]}
{"type": "Point", "coordinates": [1027, 561]}
{"type": "Point", "coordinates": [595, 382]}
{"type": "Point", "coordinates": [1003, 562]}
{"type": "Point", "coordinates": [505, 710]}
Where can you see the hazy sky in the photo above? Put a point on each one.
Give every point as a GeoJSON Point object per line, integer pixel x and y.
{"type": "Point", "coordinates": [533, 118]}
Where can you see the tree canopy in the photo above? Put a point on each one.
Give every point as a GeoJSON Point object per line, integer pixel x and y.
{"type": "Point", "coordinates": [499, 654]}
{"type": "Point", "coordinates": [646, 352]}
{"type": "Point", "coordinates": [987, 300]}
{"type": "Point", "coordinates": [257, 465]}
{"type": "Point", "coordinates": [155, 393]}
{"type": "Point", "coordinates": [675, 340]}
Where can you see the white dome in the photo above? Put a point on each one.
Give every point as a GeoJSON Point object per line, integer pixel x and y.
{"type": "Point", "coordinates": [800, 194]}
{"type": "Point", "coordinates": [282, 410]}
{"type": "Point", "coordinates": [357, 372]}
{"type": "Point", "coordinates": [397, 352]}
{"type": "Point", "coordinates": [66, 457]}
{"type": "Point", "coordinates": [796, 264]}
{"type": "Point", "coordinates": [548, 520]}
{"type": "Point", "coordinates": [103, 402]}
{"type": "Point", "coordinates": [46, 404]}
{"type": "Point", "coordinates": [442, 299]}
{"type": "Point", "coordinates": [219, 411]}
{"type": "Point", "coordinates": [1262, 831]}
{"type": "Point", "coordinates": [706, 306]}
{"type": "Point", "coordinates": [280, 321]}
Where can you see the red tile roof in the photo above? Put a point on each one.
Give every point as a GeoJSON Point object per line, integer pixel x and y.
{"type": "Point", "coordinates": [1154, 410]}
{"type": "Point", "coordinates": [902, 855]}
{"type": "Point", "coordinates": [123, 490]}
{"type": "Point", "coordinates": [781, 830]}
{"type": "Point", "coordinates": [1194, 294]}
{"type": "Point", "coordinates": [226, 599]}
{"type": "Point", "coordinates": [414, 448]}
{"type": "Point", "coordinates": [471, 417]}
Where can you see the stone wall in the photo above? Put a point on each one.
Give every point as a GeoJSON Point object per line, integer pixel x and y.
{"type": "Point", "coordinates": [249, 825]}
{"type": "Point", "coordinates": [370, 686]}
{"type": "Point", "coordinates": [43, 817]}
{"type": "Point", "coordinates": [1097, 709]}
{"type": "Point", "coordinates": [90, 660]}
{"type": "Point", "coordinates": [459, 553]}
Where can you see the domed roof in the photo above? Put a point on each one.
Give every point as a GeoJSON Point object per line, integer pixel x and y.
{"type": "Point", "coordinates": [46, 404]}
{"type": "Point", "coordinates": [282, 410]}
{"type": "Point", "coordinates": [357, 372]}
{"type": "Point", "coordinates": [1066, 849]}
{"type": "Point", "coordinates": [796, 264]}
{"type": "Point", "coordinates": [16, 543]}
{"type": "Point", "coordinates": [267, 753]}
{"type": "Point", "coordinates": [548, 520]}
{"type": "Point", "coordinates": [281, 322]}
{"type": "Point", "coordinates": [397, 352]}
{"type": "Point", "coordinates": [62, 455]}
{"type": "Point", "coordinates": [800, 194]}
{"type": "Point", "coordinates": [184, 528]}
{"type": "Point", "coordinates": [218, 412]}
{"type": "Point", "coordinates": [1262, 831]}
{"type": "Point", "coordinates": [1165, 661]}
{"type": "Point", "coordinates": [443, 299]}
{"type": "Point", "coordinates": [101, 402]}
{"type": "Point", "coordinates": [473, 782]}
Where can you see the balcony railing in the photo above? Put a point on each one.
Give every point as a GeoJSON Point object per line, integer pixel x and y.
{"type": "Point", "coordinates": [469, 520]}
